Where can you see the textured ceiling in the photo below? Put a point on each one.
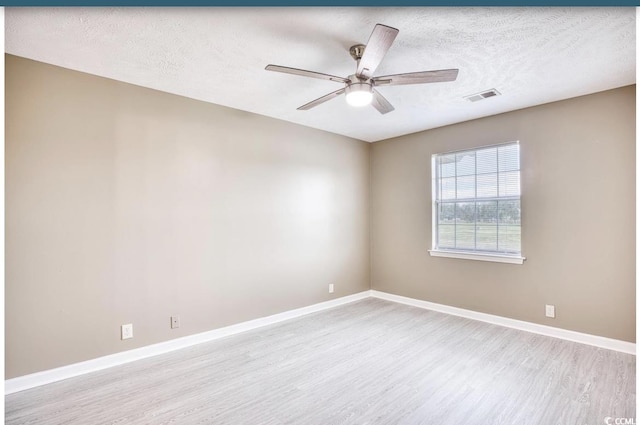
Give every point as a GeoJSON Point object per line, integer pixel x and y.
{"type": "Point", "coordinates": [530, 55]}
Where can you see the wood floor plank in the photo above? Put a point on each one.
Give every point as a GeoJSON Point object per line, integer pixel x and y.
{"type": "Point", "coordinates": [369, 362]}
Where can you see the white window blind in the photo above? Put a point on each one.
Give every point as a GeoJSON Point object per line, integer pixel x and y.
{"type": "Point", "coordinates": [476, 195]}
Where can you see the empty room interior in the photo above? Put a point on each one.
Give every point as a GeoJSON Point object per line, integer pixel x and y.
{"type": "Point", "coordinates": [320, 216]}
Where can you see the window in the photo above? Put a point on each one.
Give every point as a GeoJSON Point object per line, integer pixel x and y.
{"type": "Point", "coordinates": [476, 204]}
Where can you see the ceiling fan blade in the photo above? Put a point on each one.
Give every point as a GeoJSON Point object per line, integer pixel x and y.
{"type": "Point", "coordinates": [305, 73]}
{"type": "Point", "coordinates": [380, 103]}
{"type": "Point", "coordinates": [379, 42]}
{"type": "Point", "coordinates": [439, 76]}
{"type": "Point", "coordinates": [320, 100]}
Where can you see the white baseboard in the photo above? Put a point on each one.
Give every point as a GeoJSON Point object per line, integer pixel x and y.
{"type": "Point", "coordinates": [48, 376]}
{"type": "Point", "coordinates": [58, 374]}
{"type": "Point", "coordinates": [597, 341]}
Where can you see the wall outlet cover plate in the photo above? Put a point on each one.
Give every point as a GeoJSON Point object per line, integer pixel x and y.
{"type": "Point", "coordinates": [550, 310]}
{"type": "Point", "coordinates": [126, 331]}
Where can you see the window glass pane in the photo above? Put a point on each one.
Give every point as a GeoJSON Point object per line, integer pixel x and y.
{"type": "Point", "coordinates": [447, 165]}
{"type": "Point", "coordinates": [509, 183]}
{"type": "Point", "coordinates": [478, 200]}
{"type": "Point", "coordinates": [447, 213]}
{"type": "Point", "coordinates": [487, 212]}
{"type": "Point", "coordinates": [509, 238]}
{"type": "Point", "coordinates": [487, 185]}
{"type": "Point", "coordinates": [465, 212]}
{"type": "Point", "coordinates": [487, 237]}
{"type": "Point", "coordinates": [448, 188]}
{"type": "Point", "coordinates": [446, 236]}
{"type": "Point", "coordinates": [465, 236]}
{"type": "Point", "coordinates": [466, 164]}
{"type": "Point", "coordinates": [509, 212]}
{"type": "Point", "coordinates": [466, 187]}
{"type": "Point", "coordinates": [487, 161]}
{"type": "Point", "coordinates": [509, 157]}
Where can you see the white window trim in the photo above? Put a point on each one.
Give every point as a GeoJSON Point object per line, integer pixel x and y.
{"type": "Point", "coordinates": [465, 255]}
{"type": "Point", "coordinates": [496, 258]}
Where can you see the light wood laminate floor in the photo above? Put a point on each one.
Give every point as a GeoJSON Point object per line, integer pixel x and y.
{"type": "Point", "coordinates": [369, 362]}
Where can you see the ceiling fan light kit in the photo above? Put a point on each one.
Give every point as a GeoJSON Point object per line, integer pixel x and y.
{"type": "Point", "coordinates": [359, 94]}
{"type": "Point", "coordinates": [359, 88]}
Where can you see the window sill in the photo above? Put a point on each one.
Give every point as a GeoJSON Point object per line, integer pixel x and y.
{"type": "Point", "coordinates": [496, 258]}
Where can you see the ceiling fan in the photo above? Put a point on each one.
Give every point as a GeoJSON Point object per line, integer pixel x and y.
{"type": "Point", "coordinates": [359, 88]}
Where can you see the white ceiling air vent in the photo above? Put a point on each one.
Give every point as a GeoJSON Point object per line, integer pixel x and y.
{"type": "Point", "coordinates": [482, 95]}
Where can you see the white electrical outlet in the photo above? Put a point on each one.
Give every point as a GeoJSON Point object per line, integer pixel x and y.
{"type": "Point", "coordinates": [126, 331]}
{"type": "Point", "coordinates": [331, 288]}
{"type": "Point", "coordinates": [550, 310]}
{"type": "Point", "coordinates": [175, 322]}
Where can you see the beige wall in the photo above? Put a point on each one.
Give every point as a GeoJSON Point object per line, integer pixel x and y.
{"type": "Point", "coordinates": [578, 217]}
{"type": "Point", "coordinates": [128, 205]}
